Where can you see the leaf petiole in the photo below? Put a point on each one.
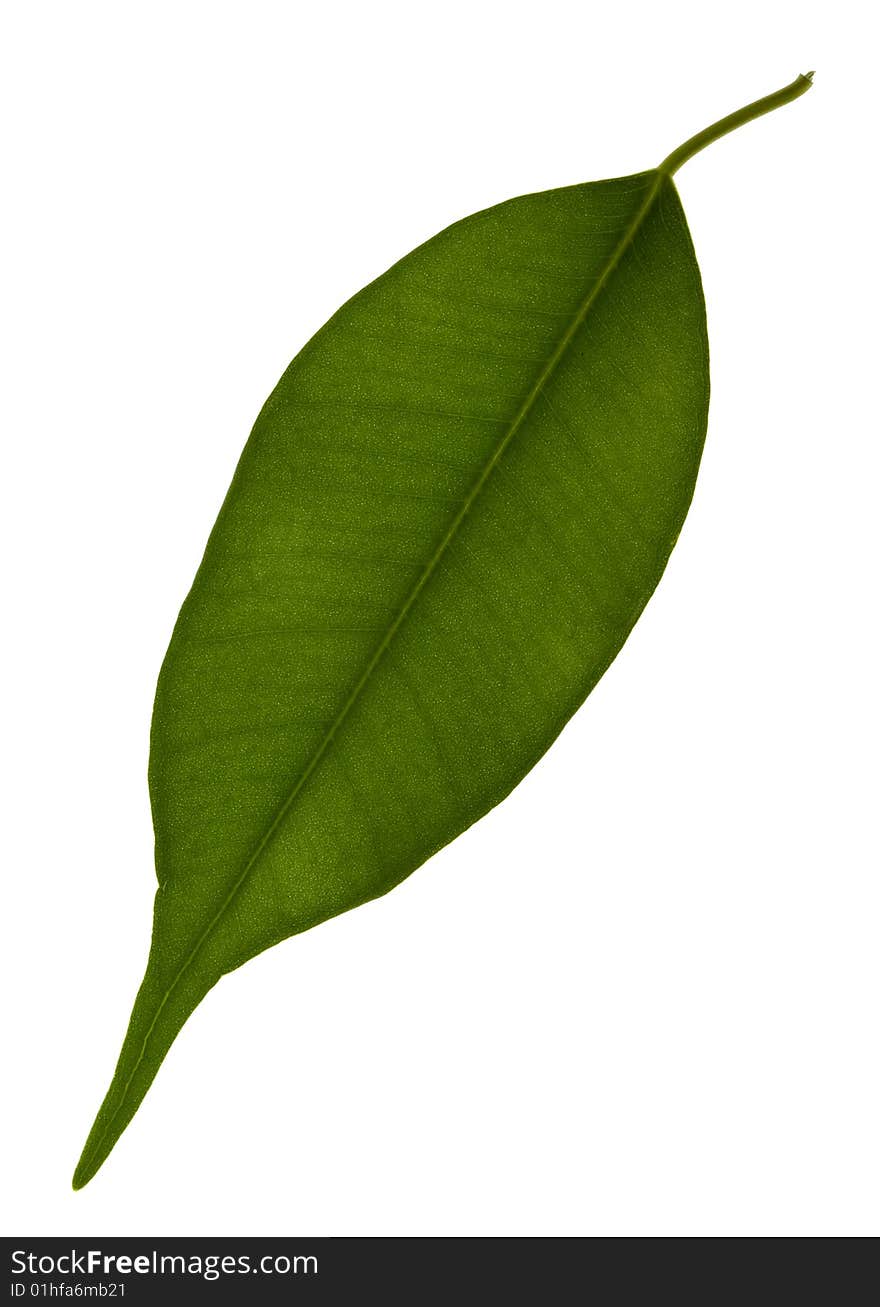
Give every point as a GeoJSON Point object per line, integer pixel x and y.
{"type": "Point", "coordinates": [709, 134]}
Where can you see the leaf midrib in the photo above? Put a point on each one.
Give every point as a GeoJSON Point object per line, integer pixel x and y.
{"type": "Point", "coordinates": [514, 426]}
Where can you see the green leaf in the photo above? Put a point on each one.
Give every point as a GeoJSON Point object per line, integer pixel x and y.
{"type": "Point", "coordinates": [447, 519]}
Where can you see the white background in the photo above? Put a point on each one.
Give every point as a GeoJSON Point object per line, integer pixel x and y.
{"type": "Point", "coordinates": [640, 998]}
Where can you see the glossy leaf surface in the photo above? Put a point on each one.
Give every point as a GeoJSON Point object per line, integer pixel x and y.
{"type": "Point", "coordinates": [446, 521]}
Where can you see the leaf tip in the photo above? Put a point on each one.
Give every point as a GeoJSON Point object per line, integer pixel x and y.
{"type": "Point", "coordinates": [86, 1167]}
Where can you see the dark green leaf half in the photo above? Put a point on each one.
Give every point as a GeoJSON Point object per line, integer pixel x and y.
{"type": "Point", "coordinates": [447, 519]}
